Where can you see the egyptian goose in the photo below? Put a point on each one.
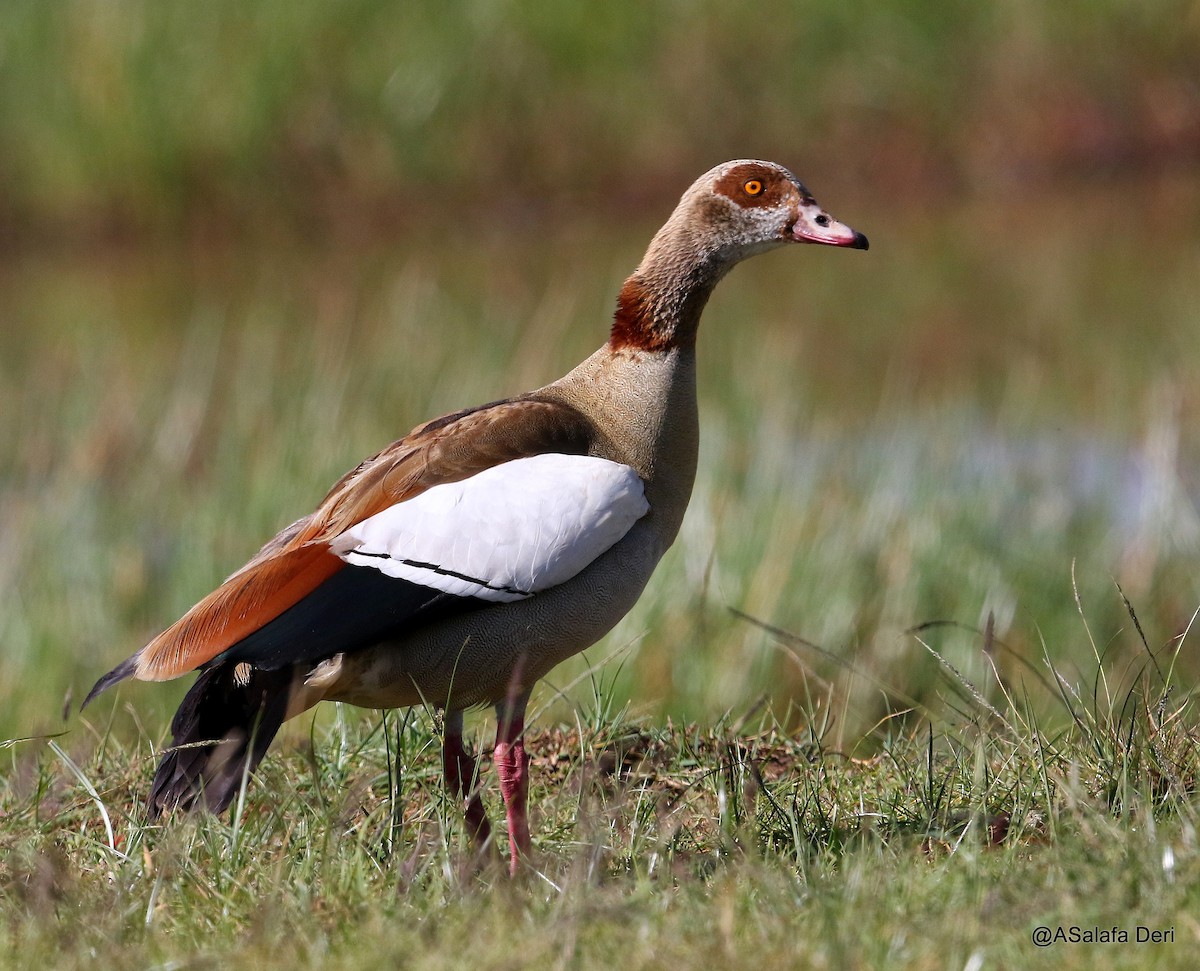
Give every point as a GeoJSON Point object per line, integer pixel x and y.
{"type": "Point", "coordinates": [463, 562]}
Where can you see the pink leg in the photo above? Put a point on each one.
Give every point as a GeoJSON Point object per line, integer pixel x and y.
{"type": "Point", "coordinates": [512, 765]}
{"type": "Point", "coordinates": [462, 778]}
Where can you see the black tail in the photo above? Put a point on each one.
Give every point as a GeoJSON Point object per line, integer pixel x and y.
{"type": "Point", "coordinates": [220, 733]}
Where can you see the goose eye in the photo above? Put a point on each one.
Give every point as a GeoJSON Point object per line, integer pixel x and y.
{"type": "Point", "coordinates": [753, 187]}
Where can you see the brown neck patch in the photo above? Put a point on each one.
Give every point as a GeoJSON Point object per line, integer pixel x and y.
{"type": "Point", "coordinates": [634, 325]}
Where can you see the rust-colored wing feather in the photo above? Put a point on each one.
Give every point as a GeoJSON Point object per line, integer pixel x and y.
{"type": "Point", "coordinates": [297, 560]}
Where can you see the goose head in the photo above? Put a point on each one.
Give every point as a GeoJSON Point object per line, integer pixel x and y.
{"type": "Point", "coordinates": [748, 206]}
{"type": "Point", "coordinates": [730, 213]}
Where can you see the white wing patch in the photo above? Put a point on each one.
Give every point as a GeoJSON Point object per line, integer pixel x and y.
{"type": "Point", "coordinates": [506, 533]}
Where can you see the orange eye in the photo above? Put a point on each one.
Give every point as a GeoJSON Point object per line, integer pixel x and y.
{"type": "Point", "coordinates": [753, 187]}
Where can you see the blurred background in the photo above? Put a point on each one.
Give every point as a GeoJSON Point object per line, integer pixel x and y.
{"type": "Point", "coordinates": [244, 245]}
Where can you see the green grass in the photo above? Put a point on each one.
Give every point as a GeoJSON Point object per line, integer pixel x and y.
{"type": "Point", "coordinates": [657, 845]}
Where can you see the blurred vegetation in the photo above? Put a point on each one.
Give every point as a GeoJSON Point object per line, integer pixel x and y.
{"type": "Point", "coordinates": [250, 244]}
{"type": "Point", "coordinates": [144, 116]}
{"type": "Point", "coordinates": [927, 431]}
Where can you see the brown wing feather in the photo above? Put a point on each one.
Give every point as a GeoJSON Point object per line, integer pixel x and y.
{"type": "Point", "coordinates": [450, 449]}
{"type": "Point", "coordinates": [241, 605]}
{"type": "Point", "coordinates": [297, 560]}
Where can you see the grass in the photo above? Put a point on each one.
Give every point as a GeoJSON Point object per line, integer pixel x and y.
{"type": "Point", "coordinates": [946, 846]}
